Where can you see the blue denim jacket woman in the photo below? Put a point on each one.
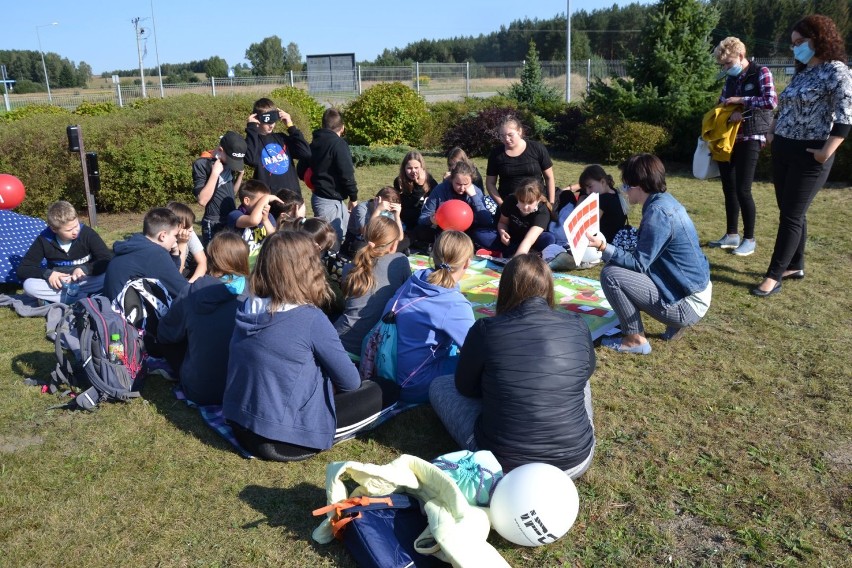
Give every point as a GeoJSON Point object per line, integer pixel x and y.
{"type": "Point", "coordinates": [666, 275]}
{"type": "Point", "coordinates": [667, 250]}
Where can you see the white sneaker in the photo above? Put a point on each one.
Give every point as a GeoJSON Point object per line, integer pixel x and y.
{"type": "Point", "coordinates": [746, 248]}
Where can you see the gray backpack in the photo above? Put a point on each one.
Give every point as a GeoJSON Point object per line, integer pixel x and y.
{"type": "Point", "coordinates": [84, 360]}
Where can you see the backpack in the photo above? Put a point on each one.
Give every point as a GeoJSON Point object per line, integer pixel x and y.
{"type": "Point", "coordinates": [383, 531]}
{"type": "Point", "coordinates": [378, 348]}
{"type": "Point", "coordinates": [143, 302]}
{"type": "Point", "coordinates": [82, 348]}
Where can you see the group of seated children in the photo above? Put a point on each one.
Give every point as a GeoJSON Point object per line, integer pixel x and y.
{"type": "Point", "coordinates": [270, 320]}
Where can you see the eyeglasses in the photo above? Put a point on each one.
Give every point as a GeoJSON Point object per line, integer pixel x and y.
{"type": "Point", "coordinates": [799, 42]}
{"type": "Point", "coordinates": [627, 187]}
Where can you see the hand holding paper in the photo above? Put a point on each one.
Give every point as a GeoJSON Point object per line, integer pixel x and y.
{"type": "Point", "coordinates": [583, 220]}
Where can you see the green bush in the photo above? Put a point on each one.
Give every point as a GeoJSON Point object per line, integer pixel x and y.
{"type": "Point", "coordinates": [388, 114]}
{"type": "Point", "coordinates": [290, 97]}
{"type": "Point", "coordinates": [29, 111]}
{"type": "Point", "coordinates": [375, 155]}
{"type": "Point", "coordinates": [145, 153]}
{"type": "Point", "coordinates": [609, 140]}
{"type": "Point", "coordinates": [566, 128]}
{"type": "Point", "coordinates": [424, 80]}
{"type": "Point", "coordinates": [87, 108]}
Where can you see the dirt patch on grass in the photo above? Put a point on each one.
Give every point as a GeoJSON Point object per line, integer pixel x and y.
{"type": "Point", "coordinates": [841, 456]}
{"type": "Point", "coordinates": [694, 541]}
{"type": "Point", "coordinates": [12, 444]}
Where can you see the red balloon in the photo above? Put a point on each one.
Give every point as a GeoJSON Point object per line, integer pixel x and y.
{"type": "Point", "coordinates": [455, 215]}
{"type": "Point", "coordinates": [309, 176]}
{"type": "Point", "coordinates": [11, 191]}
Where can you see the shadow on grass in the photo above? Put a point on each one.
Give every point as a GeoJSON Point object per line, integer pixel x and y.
{"type": "Point", "coordinates": [290, 508]}
{"type": "Point", "coordinates": [36, 364]}
{"type": "Point", "coordinates": [158, 392]}
{"type": "Point", "coordinates": [417, 432]}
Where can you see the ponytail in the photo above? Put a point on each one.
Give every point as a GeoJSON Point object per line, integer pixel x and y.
{"type": "Point", "coordinates": [449, 253]}
{"type": "Point", "coordinates": [381, 234]}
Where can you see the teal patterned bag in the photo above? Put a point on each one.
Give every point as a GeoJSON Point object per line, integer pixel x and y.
{"type": "Point", "coordinates": [476, 474]}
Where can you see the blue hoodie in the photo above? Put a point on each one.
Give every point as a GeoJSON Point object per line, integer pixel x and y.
{"type": "Point", "coordinates": [140, 257]}
{"type": "Point", "coordinates": [443, 192]}
{"type": "Point", "coordinates": [282, 372]}
{"type": "Point", "coordinates": [429, 333]}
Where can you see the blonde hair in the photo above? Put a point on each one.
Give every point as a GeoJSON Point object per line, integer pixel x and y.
{"type": "Point", "coordinates": [449, 253]}
{"type": "Point", "coordinates": [289, 271]}
{"type": "Point", "coordinates": [727, 48]}
{"type": "Point", "coordinates": [381, 235]}
{"type": "Point", "coordinates": [60, 214]}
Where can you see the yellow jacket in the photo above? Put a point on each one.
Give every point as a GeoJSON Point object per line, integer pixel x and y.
{"type": "Point", "coordinates": [720, 134]}
{"type": "Point", "coordinates": [456, 532]}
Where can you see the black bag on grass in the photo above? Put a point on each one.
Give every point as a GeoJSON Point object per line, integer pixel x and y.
{"type": "Point", "coordinates": [88, 363]}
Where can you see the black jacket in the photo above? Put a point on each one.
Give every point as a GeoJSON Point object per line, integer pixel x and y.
{"type": "Point", "coordinates": [203, 315]}
{"type": "Point", "coordinates": [530, 367]}
{"type": "Point", "coordinates": [333, 174]}
{"type": "Point", "coordinates": [88, 252]}
{"type": "Point", "coordinates": [272, 156]}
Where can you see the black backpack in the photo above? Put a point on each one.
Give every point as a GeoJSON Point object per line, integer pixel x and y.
{"type": "Point", "coordinates": [143, 302]}
{"type": "Point", "coordinates": [83, 356]}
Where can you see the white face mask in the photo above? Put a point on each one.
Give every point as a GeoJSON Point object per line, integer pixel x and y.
{"type": "Point", "coordinates": [735, 70]}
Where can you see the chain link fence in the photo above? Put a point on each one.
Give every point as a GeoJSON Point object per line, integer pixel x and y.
{"type": "Point", "coordinates": [435, 81]}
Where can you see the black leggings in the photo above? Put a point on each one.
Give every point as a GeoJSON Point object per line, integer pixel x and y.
{"type": "Point", "coordinates": [352, 407]}
{"type": "Point", "coordinates": [737, 177]}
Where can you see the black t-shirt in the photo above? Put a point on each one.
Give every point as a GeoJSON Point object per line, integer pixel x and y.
{"type": "Point", "coordinates": [519, 224]}
{"type": "Point", "coordinates": [412, 202]}
{"type": "Point", "coordinates": [512, 170]}
{"type": "Point", "coordinates": [613, 218]}
{"type": "Point", "coordinates": [222, 201]}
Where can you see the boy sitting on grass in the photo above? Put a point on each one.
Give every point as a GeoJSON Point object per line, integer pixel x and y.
{"type": "Point", "coordinates": [65, 252]}
{"type": "Point", "coordinates": [153, 253]}
{"type": "Point", "coordinates": [252, 219]}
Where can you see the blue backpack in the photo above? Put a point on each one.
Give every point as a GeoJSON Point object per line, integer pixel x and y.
{"type": "Point", "coordinates": [378, 349]}
{"type": "Point", "coordinates": [84, 361]}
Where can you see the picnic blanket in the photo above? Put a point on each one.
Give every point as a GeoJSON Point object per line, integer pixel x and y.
{"type": "Point", "coordinates": [213, 417]}
{"type": "Point", "coordinates": [17, 233]}
{"type": "Point", "coordinates": [574, 294]}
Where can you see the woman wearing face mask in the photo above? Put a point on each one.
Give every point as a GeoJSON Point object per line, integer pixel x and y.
{"type": "Point", "coordinates": [814, 117]}
{"type": "Point", "coordinates": [752, 87]}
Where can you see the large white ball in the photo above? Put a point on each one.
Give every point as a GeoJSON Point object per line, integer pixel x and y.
{"type": "Point", "coordinates": [534, 504]}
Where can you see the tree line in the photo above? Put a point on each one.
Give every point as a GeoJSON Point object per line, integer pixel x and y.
{"type": "Point", "coordinates": [24, 66]}
{"type": "Point", "coordinates": [615, 33]}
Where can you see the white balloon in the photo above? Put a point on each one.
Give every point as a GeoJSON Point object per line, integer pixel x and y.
{"type": "Point", "coordinates": [534, 504]}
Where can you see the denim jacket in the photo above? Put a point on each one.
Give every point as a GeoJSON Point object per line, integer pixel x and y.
{"type": "Point", "coordinates": [667, 250]}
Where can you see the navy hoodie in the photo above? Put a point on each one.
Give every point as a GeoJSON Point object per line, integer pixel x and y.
{"type": "Point", "coordinates": [283, 370]}
{"type": "Point", "coordinates": [203, 315]}
{"type": "Point", "coordinates": [140, 257]}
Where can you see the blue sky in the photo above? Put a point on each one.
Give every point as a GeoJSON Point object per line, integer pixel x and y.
{"type": "Point", "coordinates": [101, 33]}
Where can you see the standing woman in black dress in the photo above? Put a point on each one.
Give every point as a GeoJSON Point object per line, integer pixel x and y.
{"type": "Point", "coordinates": [516, 160]}
{"type": "Point", "coordinates": [814, 117]}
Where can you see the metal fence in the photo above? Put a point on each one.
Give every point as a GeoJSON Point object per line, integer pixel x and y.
{"type": "Point", "coordinates": [435, 81]}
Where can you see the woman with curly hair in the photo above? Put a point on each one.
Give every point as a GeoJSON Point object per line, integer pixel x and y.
{"type": "Point", "coordinates": [814, 117]}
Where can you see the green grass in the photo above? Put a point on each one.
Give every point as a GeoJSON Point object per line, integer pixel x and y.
{"type": "Point", "coordinates": [729, 447]}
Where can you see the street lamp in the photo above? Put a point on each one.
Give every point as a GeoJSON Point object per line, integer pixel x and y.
{"type": "Point", "coordinates": [43, 66]}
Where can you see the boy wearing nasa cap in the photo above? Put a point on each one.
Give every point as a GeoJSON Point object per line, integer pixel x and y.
{"type": "Point", "coordinates": [270, 153]}
{"type": "Point", "coordinates": [215, 180]}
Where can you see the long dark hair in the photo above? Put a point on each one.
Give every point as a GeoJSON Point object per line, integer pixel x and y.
{"type": "Point", "coordinates": [525, 276]}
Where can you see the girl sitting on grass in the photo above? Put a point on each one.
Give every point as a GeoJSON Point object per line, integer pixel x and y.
{"type": "Point", "coordinates": [202, 315]}
{"type": "Point", "coordinates": [524, 217]}
{"type": "Point", "coordinates": [193, 261]}
{"type": "Point", "coordinates": [414, 184]}
{"type": "Point", "coordinates": [432, 317]}
{"type": "Point", "coordinates": [375, 274]}
{"type": "Point", "coordinates": [291, 388]}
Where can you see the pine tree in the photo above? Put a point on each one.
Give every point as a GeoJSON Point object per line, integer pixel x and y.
{"type": "Point", "coordinates": [532, 91]}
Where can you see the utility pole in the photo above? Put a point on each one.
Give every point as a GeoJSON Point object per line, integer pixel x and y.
{"type": "Point", "coordinates": [568, 53]}
{"type": "Point", "coordinates": [139, 37]}
{"type": "Point", "coordinates": [157, 51]}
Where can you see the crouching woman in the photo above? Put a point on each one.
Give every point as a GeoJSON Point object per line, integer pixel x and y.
{"type": "Point", "coordinates": [522, 386]}
{"type": "Point", "coordinates": [291, 389]}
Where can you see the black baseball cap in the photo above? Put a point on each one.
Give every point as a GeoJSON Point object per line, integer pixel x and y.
{"type": "Point", "coordinates": [235, 148]}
